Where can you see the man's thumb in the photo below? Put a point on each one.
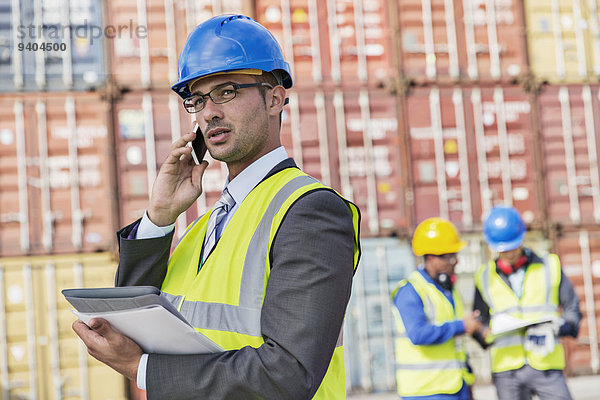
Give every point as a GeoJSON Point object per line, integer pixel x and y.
{"type": "Point", "coordinates": [97, 324]}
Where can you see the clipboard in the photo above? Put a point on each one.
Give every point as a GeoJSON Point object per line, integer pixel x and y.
{"type": "Point", "coordinates": [506, 324]}
{"type": "Point", "coordinates": [142, 314]}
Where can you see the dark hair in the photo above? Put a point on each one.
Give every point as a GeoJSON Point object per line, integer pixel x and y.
{"type": "Point", "coordinates": [266, 77]}
{"type": "Point", "coordinates": [269, 78]}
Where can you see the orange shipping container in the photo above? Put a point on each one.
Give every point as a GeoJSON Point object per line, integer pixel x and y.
{"type": "Point", "coordinates": [570, 130]}
{"type": "Point", "coordinates": [456, 40]}
{"type": "Point", "coordinates": [471, 149]}
{"type": "Point", "coordinates": [56, 185]}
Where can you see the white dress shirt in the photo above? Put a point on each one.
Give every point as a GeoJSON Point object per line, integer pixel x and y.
{"type": "Point", "coordinates": [238, 188]}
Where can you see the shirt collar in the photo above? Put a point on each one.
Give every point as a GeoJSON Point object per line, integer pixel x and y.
{"type": "Point", "coordinates": [421, 269]}
{"type": "Point", "coordinates": [251, 176]}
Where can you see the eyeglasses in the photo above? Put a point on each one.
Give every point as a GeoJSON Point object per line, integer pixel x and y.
{"type": "Point", "coordinates": [451, 257]}
{"type": "Point", "coordinates": [219, 95]}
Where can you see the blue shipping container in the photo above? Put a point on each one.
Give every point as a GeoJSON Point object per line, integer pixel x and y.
{"type": "Point", "coordinates": [52, 46]}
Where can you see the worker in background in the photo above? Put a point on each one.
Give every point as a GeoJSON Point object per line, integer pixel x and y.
{"type": "Point", "coordinates": [430, 351]}
{"type": "Point", "coordinates": [267, 273]}
{"type": "Point", "coordinates": [520, 284]}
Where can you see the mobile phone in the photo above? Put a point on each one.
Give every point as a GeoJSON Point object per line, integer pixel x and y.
{"type": "Point", "coordinates": [198, 146]}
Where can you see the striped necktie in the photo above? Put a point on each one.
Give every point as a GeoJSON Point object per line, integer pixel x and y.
{"type": "Point", "coordinates": [217, 216]}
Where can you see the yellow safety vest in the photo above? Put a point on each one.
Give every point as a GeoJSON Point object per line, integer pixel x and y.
{"type": "Point", "coordinates": [224, 299]}
{"type": "Point", "coordinates": [539, 300]}
{"type": "Point", "coordinates": [424, 370]}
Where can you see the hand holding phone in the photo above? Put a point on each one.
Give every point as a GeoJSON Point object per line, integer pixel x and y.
{"type": "Point", "coordinates": [198, 146]}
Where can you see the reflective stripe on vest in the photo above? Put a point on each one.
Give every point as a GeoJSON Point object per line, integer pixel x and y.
{"type": "Point", "coordinates": [245, 317]}
{"type": "Point", "coordinates": [224, 299]}
{"type": "Point", "coordinates": [433, 365]}
{"type": "Point", "coordinates": [540, 299]}
{"type": "Point", "coordinates": [423, 370]}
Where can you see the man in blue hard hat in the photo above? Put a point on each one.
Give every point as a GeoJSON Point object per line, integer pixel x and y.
{"type": "Point", "coordinates": [267, 273]}
{"type": "Point", "coordinates": [519, 295]}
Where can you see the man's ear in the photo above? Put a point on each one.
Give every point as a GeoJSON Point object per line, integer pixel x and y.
{"type": "Point", "coordinates": [277, 100]}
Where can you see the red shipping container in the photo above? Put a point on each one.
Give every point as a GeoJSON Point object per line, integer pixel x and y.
{"type": "Point", "coordinates": [338, 41]}
{"type": "Point", "coordinates": [148, 36]}
{"type": "Point", "coordinates": [56, 179]}
{"type": "Point", "coordinates": [570, 129]}
{"type": "Point", "coordinates": [349, 139]}
{"type": "Point", "coordinates": [449, 40]}
{"type": "Point", "coordinates": [579, 252]}
{"type": "Point", "coordinates": [471, 149]}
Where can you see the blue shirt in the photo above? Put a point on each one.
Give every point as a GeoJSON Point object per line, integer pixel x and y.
{"type": "Point", "coordinates": [421, 332]}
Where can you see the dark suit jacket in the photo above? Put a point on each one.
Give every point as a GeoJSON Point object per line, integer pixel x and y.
{"type": "Point", "coordinates": [302, 314]}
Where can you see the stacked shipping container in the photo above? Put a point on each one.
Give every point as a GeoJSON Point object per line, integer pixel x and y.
{"type": "Point", "coordinates": [55, 174]}
{"type": "Point", "coordinates": [51, 46]}
{"type": "Point", "coordinates": [580, 256]}
{"type": "Point", "coordinates": [471, 149]}
{"type": "Point", "coordinates": [564, 40]}
{"type": "Point", "coordinates": [495, 123]}
{"type": "Point", "coordinates": [147, 115]}
{"type": "Point", "coordinates": [57, 196]}
{"type": "Point", "coordinates": [409, 108]}
{"type": "Point", "coordinates": [144, 55]}
{"type": "Point", "coordinates": [341, 126]}
{"type": "Point", "coordinates": [570, 131]}
{"type": "Point", "coordinates": [481, 131]}
{"type": "Point", "coordinates": [469, 40]}
{"type": "Point", "coordinates": [564, 48]}
{"type": "Point", "coordinates": [40, 357]}
{"type": "Point", "coordinates": [370, 331]}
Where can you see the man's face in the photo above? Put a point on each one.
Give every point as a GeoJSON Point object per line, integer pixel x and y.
{"type": "Point", "coordinates": [443, 263]}
{"type": "Point", "coordinates": [236, 132]}
{"type": "Point", "coordinates": [511, 256]}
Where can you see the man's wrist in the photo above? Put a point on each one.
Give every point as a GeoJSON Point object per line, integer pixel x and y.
{"type": "Point", "coordinates": [148, 229]}
{"type": "Point", "coordinates": [158, 219]}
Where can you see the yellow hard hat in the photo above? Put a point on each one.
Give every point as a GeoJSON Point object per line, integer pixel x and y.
{"type": "Point", "coordinates": [436, 236]}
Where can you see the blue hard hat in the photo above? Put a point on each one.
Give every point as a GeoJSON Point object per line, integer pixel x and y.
{"type": "Point", "coordinates": [227, 43]}
{"type": "Point", "coordinates": [504, 229]}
